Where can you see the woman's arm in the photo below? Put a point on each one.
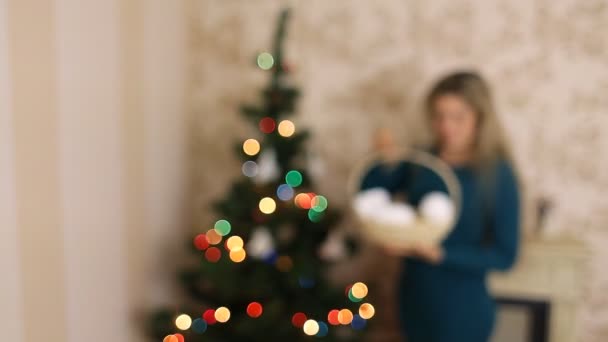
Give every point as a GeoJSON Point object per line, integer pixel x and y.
{"type": "Point", "coordinates": [502, 252]}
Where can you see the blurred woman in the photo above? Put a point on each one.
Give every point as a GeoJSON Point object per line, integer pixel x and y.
{"type": "Point", "coordinates": [443, 296]}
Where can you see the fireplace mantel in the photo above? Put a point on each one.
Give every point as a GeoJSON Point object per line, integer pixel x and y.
{"type": "Point", "coordinates": [554, 271]}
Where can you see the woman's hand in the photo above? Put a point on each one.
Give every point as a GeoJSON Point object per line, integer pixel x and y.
{"type": "Point", "coordinates": [431, 254]}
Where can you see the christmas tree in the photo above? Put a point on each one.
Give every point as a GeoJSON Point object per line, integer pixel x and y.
{"type": "Point", "coordinates": [259, 275]}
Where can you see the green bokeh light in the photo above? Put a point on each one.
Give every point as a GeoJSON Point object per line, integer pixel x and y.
{"type": "Point", "coordinates": [222, 227]}
{"type": "Point", "coordinates": [319, 203]}
{"type": "Point", "coordinates": [352, 297]}
{"type": "Point", "coordinates": [293, 178]}
{"type": "Point", "coordinates": [315, 216]}
{"type": "Point", "coordinates": [265, 61]}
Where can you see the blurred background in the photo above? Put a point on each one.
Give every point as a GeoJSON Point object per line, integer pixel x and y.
{"type": "Point", "coordinates": [117, 119]}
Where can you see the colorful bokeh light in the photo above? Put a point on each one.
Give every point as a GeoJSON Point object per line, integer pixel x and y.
{"type": "Point", "coordinates": [200, 242]}
{"type": "Point", "coordinates": [358, 323]}
{"type": "Point", "coordinates": [213, 254]}
{"type": "Point", "coordinates": [209, 316]}
{"type": "Point", "coordinates": [367, 311]}
{"type": "Point", "coordinates": [298, 319]}
{"type": "Point", "coordinates": [345, 316]}
{"type": "Point", "coordinates": [359, 290]}
{"type": "Point", "coordinates": [311, 327]}
{"type": "Point", "coordinates": [180, 337]}
{"type": "Point", "coordinates": [323, 329]}
{"type": "Point", "coordinates": [254, 309]}
{"type": "Point", "coordinates": [265, 61]}
{"type": "Point", "coordinates": [222, 227]}
{"type": "Point", "coordinates": [284, 263]}
{"type": "Point", "coordinates": [170, 338]}
{"type": "Point", "coordinates": [267, 205]}
{"type": "Point", "coordinates": [199, 326]}
{"type": "Point", "coordinates": [285, 192]}
{"type": "Point", "coordinates": [250, 168]}
{"type": "Point", "coordinates": [293, 178]}
{"type": "Point", "coordinates": [286, 128]}
{"type": "Point", "coordinates": [213, 237]}
{"type": "Point", "coordinates": [315, 216]}
{"type": "Point", "coordinates": [238, 255]}
{"type": "Point", "coordinates": [267, 125]}
{"type": "Point", "coordinates": [183, 322]}
{"type": "Point", "coordinates": [251, 147]}
{"type": "Point", "coordinates": [332, 317]}
{"type": "Point", "coordinates": [222, 314]}
{"type": "Point", "coordinates": [319, 203]}
{"type": "Point", "coordinates": [234, 243]}
{"type": "Point", "coordinates": [303, 201]}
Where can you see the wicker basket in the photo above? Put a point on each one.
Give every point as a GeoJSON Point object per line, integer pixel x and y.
{"type": "Point", "coordinates": [420, 231]}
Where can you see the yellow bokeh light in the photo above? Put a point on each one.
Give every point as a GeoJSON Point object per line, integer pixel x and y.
{"type": "Point", "coordinates": [234, 243]}
{"type": "Point", "coordinates": [311, 327]}
{"type": "Point", "coordinates": [170, 338]}
{"type": "Point", "coordinates": [183, 322]}
{"type": "Point", "coordinates": [345, 316]}
{"type": "Point", "coordinates": [251, 147]}
{"type": "Point", "coordinates": [267, 205]}
{"type": "Point", "coordinates": [222, 314]}
{"type": "Point", "coordinates": [213, 237]}
{"type": "Point", "coordinates": [238, 255]}
{"type": "Point", "coordinates": [366, 311]}
{"type": "Point", "coordinates": [359, 290]}
{"type": "Point", "coordinates": [284, 263]}
{"type": "Point", "coordinates": [286, 128]}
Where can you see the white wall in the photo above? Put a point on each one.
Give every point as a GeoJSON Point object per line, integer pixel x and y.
{"type": "Point", "coordinates": [93, 164]}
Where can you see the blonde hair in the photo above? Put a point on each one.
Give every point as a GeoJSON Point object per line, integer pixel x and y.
{"type": "Point", "coordinates": [490, 145]}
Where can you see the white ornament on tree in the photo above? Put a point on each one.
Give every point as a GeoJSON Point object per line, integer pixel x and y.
{"type": "Point", "coordinates": [268, 167]}
{"type": "Point", "coordinates": [437, 208]}
{"type": "Point", "coordinates": [261, 243]}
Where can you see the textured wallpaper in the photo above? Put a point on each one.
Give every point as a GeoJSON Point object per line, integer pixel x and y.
{"type": "Point", "coordinates": [363, 64]}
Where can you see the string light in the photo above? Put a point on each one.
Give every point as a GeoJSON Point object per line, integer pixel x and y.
{"type": "Point", "coordinates": [302, 201]}
{"type": "Point", "coordinates": [267, 205]}
{"type": "Point", "coordinates": [345, 316]}
{"type": "Point", "coordinates": [222, 227]}
{"type": "Point", "coordinates": [238, 255]}
{"type": "Point", "coordinates": [293, 178]}
{"type": "Point", "coordinates": [367, 311]}
{"type": "Point", "coordinates": [251, 147]}
{"type": "Point", "coordinates": [267, 125]}
{"type": "Point", "coordinates": [323, 329]}
{"type": "Point", "coordinates": [250, 168]}
{"type": "Point", "coordinates": [170, 338]}
{"type": "Point", "coordinates": [359, 290]}
{"type": "Point", "coordinates": [234, 243]}
{"type": "Point", "coordinates": [200, 242]}
{"type": "Point", "coordinates": [199, 326]}
{"type": "Point", "coordinates": [183, 322]}
{"type": "Point", "coordinates": [315, 216]}
{"type": "Point", "coordinates": [319, 203]}
{"type": "Point", "coordinates": [213, 237]}
{"type": "Point", "coordinates": [358, 323]}
{"type": "Point", "coordinates": [298, 319]}
{"type": "Point", "coordinates": [209, 316]}
{"type": "Point", "coordinates": [352, 297]}
{"type": "Point", "coordinates": [213, 254]}
{"type": "Point", "coordinates": [180, 337]}
{"type": "Point", "coordinates": [254, 310]}
{"type": "Point", "coordinates": [311, 327]}
{"type": "Point", "coordinates": [332, 317]}
{"type": "Point", "coordinates": [285, 192]}
{"type": "Point", "coordinates": [286, 128]}
{"type": "Point", "coordinates": [222, 314]}
{"type": "Point", "coordinates": [265, 61]}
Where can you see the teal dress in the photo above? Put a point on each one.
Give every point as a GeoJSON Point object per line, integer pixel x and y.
{"type": "Point", "coordinates": [450, 302]}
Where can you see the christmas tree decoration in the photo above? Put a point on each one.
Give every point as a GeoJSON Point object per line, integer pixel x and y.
{"type": "Point", "coordinates": [286, 128]}
{"type": "Point", "coordinates": [267, 205]}
{"type": "Point", "coordinates": [222, 314]}
{"type": "Point", "coordinates": [267, 125]}
{"type": "Point", "coordinates": [311, 327]}
{"type": "Point", "coordinates": [268, 167]}
{"type": "Point", "coordinates": [180, 337]}
{"type": "Point", "coordinates": [199, 326]}
{"type": "Point", "coordinates": [183, 322]}
{"type": "Point", "coordinates": [261, 244]}
{"type": "Point", "coordinates": [250, 168]}
{"type": "Point", "coordinates": [251, 147]}
{"type": "Point", "coordinates": [352, 297]}
{"type": "Point", "coordinates": [170, 338]}
{"type": "Point", "coordinates": [254, 310]}
{"type": "Point", "coordinates": [359, 290]}
{"type": "Point", "coordinates": [222, 227]}
{"type": "Point", "coordinates": [265, 61]}
{"type": "Point", "coordinates": [271, 244]}
{"type": "Point", "coordinates": [367, 311]}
